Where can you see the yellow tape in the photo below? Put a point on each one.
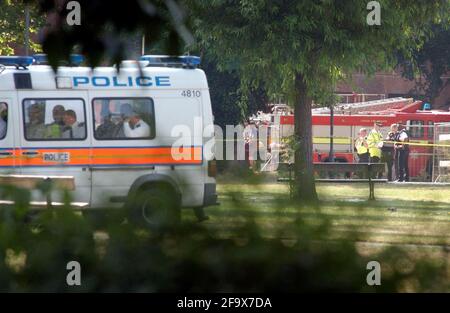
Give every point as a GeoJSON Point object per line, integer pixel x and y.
{"type": "Point", "coordinates": [411, 143]}
{"type": "Point", "coordinates": [336, 140]}
{"type": "Point", "coordinates": [348, 140]}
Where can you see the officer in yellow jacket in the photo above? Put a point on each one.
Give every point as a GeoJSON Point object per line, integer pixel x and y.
{"type": "Point", "coordinates": [375, 142]}
{"type": "Point", "coordinates": [361, 146]}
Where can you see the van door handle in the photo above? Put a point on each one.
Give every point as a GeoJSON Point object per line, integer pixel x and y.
{"type": "Point", "coordinates": [5, 154]}
{"type": "Point", "coordinates": [30, 153]}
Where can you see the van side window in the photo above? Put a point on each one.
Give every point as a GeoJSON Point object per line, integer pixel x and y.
{"type": "Point", "coordinates": [3, 119]}
{"type": "Point", "coordinates": [123, 118]}
{"type": "Point", "coordinates": [54, 119]}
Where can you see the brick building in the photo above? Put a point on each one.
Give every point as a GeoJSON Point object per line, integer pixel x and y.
{"type": "Point", "coordinates": [392, 84]}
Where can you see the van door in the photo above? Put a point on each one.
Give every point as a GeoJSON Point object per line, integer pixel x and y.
{"type": "Point", "coordinates": [7, 148]}
{"type": "Point", "coordinates": [55, 138]}
{"type": "Point", "coordinates": [120, 155]}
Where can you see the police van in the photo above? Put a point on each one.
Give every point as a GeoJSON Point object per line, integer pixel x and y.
{"type": "Point", "coordinates": [132, 137]}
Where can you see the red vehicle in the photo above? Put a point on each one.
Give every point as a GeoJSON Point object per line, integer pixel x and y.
{"type": "Point", "coordinates": [350, 118]}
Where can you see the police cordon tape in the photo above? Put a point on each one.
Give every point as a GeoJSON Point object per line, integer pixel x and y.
{"type": "Point", "coordinates": [340, 140]}
{"type": "Point", "coordinates": [419, 144]}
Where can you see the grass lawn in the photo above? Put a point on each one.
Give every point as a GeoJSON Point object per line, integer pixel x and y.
{"type": "Point", "coordinates": [414, 216]}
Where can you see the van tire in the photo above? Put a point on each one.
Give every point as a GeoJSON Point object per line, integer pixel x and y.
{"type": "Point", "coordinates": [155, 207]}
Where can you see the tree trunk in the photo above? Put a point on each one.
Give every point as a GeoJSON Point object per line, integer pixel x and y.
{"type": "Point", "coordinates": [305, 188]}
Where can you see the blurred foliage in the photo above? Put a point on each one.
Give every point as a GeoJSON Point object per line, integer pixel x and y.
{"type": "Point", "coordinates": [12, 25]}
{"type": "Point", "coordinates": [117, 256]}
{"type": "Point", "coordinates": [107, 26]}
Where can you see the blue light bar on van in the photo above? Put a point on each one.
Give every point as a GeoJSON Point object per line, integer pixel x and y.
{"type": "Point", "coordinates": [16, 61]}
{"type": "Point", "coordinates": [75, 59]}
{"type": "Point", "coordinates": [166, 60]}
{"type": "Point", "coordinates": [40, 59]}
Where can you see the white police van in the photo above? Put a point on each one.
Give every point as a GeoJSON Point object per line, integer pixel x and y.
{"type": "Point", "coordinates": [127, 137]}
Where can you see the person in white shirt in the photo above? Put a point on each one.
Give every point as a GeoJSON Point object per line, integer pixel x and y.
{"type": "Point", "coordinates": [250, 135]}
{"type": "Point", "coordinates": [72, 128]}
{"type": "Point", "coordinates": [402, 154]}
{"type": "Point", "coordinates": [133, 125]}
{"type": "Point", "coordinates": [250, 132]}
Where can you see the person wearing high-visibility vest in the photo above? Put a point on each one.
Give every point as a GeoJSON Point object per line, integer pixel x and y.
{"type": "Point", "coordinates": [362, 149]}
{"type": "Point", "coordinates": [361, 146]}
{"type": "Point", "coordinates": [55, 129]}
{"type": "Point", "coordinates": [375, 142]}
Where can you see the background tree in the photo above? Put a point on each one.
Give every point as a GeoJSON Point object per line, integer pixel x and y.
{"type": "Point", "coordinates": [12, 26]}
{"type": "Point", "coordinates": [301, 48]}
{"type": "Point", "coordinates": [429, 63]}
{"type": "Point", "coordinates": [225, 94]}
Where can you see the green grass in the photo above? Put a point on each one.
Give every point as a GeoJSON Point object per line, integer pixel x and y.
{"type": "Point", "coordinates": [401, 215]}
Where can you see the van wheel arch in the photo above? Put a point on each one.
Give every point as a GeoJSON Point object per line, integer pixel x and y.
{"type": "Point", "coordinates": [147, 181]}
{"type": "Point", "coordinates": [154, 203]}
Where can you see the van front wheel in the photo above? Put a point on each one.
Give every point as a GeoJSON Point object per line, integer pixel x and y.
{"type": "Point", "coordinates": [155, 207]}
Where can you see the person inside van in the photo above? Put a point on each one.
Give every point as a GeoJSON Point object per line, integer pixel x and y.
{"type": "Point", "coordinates": [72, 128]}
{"type": "Point", "coordinates": [54, 130]}
{"type": "Point", "coordinates": [3, 124]}
{"type": "Point", "coordinates": [133, 125]}
{"type": "Point", "coordinates": [108, 129]}
{"type": "Point", "coordinates": [35, 128]}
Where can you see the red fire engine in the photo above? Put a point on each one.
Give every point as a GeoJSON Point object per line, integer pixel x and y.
{"type": "Point", "coordinates": [349, 118]}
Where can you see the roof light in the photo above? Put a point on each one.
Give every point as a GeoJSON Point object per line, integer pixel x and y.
{"type": "Point", "coordinates": [133, 63]}
{"type": "Point", "coordinates": [40, 59]}
{"type": "Point", "coordinates": [166, 60]}
{"type": "Point", "coordinates": [17, 61]}
{"type": "Point", "coordinates": [75, 59]}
